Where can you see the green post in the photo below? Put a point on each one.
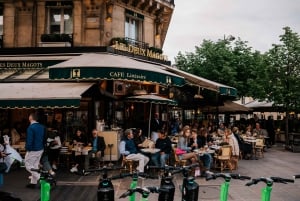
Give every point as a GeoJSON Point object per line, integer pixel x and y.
{"type": "Point", "coordinates": [45, 190]}
{"type": "Point", "coordinates": [266, 193]}
{"type": "Point", "coordinates": [224, 191]}
{"type": "Point", "coordinates": [133, 186]}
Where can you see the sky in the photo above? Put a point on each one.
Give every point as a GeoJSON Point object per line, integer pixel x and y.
{"type": "Point", "coordinates": [259, 22]}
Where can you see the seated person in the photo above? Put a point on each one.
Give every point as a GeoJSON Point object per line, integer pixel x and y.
{"type": "Point", "coordinates": [79, 140]}
{"type": "Point", "coordinates": [98, 146]}
{"type": "Point", "coordinates": [183, 145]}
{"type": "Point", "coordinates": [232, 141]}
{"type": "Point", "coordinates": [245, 148]}
{"type": "Point", "coordinates": [128, 149]}
{"type": "Point", "coordinates": [15, 136]}
{"type": "Point", "coordinates": [54, 147]}
{"type": "Point", "coordinates": [206, 138]}
{"type": "Point", "coordinates": [206, 158]}
{"type": "Point", "coordinates": [139, 138]}
{"type": "Point", "coordinates": [165, 145]}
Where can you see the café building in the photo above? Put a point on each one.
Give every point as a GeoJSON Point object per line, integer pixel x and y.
{"type": "Point", "coordinates": [77, 61]}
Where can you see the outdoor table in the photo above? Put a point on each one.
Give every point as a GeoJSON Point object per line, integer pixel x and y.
{"type": "Point", "coordinates": [80, 150]}
{"type": "Point", "coordinates": [150, 151]}
{"type": "Point", "coordinates": [201, 152]}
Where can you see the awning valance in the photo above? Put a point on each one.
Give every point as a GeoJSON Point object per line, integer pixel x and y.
{"type": "Point", "coordinates": [42, 95]}
{"type": "Point", "coordinates": [92, 66]}
{"type": "Point", "coordinates": [205, 83]}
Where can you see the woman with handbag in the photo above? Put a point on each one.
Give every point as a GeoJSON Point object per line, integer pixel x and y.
{"type": "Point", "coordinates": [184, 151]}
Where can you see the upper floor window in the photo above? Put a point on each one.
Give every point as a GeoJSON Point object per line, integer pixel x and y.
{"type": "Point", "coordinates": [133, 25]}
{"type": "Point", "coordinates": [60, 17]}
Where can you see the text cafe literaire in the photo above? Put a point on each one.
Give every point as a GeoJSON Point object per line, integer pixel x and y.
{"type": "Point", "coordinates": [127, 75]}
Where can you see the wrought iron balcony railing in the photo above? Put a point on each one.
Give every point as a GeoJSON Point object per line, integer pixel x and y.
{"type": "Point", "coordinates": [136, 43]}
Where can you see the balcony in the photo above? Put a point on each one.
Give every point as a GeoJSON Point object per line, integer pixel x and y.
{"type": "Point", "coordinates": [130, 41]}
{"type": "Point", "coordinates": [56, 40]}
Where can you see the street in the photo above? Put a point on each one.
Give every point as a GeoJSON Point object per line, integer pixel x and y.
{"type": "Point", "coordinates": [276, 162]}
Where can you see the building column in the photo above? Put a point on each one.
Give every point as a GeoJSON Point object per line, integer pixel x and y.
{"type": "Point", "coordinates": [41, 21]}
{"type": "Point", "coordinates": [9, 25]}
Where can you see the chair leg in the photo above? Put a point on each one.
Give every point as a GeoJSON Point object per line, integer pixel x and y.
{"type": "Point", "coordinates": [130, 166]}
{"type": "Point", "coordinates": [222, 166]}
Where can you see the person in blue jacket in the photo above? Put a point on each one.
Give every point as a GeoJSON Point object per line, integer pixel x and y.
{"type": "Point", "coordinates": [35, 141]}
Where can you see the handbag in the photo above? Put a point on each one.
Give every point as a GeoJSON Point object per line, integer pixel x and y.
{"type": "Point", "coordinates": [179, 151]}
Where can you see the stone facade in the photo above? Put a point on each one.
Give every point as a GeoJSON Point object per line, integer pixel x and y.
{"type": "Point", "coordinates": [94, 22]}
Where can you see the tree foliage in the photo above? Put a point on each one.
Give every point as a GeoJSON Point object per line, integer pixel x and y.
{"type": "Point", "coordinates": [283, 68]}
{"type": "Point", "coordinates": [227, 62]}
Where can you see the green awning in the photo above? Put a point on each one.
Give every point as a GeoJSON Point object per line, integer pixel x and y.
{"type": "Point", "coordinates": [112, 67]}
{"type": "Point", "coordinates": [42, 95]}
{"type": "Point", "coordinates": [204, 83]}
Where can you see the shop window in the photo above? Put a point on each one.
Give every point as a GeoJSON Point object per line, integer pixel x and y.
{"type": "Point", "coordinates": [133, 25]}
{"type": "Point", "coordinates": [60, 17]}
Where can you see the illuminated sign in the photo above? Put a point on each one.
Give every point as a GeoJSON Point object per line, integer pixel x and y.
{"type": "Point", "coordinates": [139, 51]}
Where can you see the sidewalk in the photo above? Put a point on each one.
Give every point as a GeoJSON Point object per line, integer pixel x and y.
{"type": "Point", "coordinates": [277, 162]}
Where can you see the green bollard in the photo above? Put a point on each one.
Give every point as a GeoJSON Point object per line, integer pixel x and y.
{"type": "Point", "coordinates": [133, 186]}
{"type": "Point", "coordinates": [45, 190]}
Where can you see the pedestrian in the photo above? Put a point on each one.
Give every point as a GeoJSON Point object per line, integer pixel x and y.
{"type": "Point", "coordinates": [34, 148]}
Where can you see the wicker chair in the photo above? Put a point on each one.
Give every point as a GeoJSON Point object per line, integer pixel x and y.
{"type": "Point", "coordinates": [224, 158]}
{"type": "Point", "coordinates": [259, 147]}
{"type": "Point", "coordinates": [128, 164]}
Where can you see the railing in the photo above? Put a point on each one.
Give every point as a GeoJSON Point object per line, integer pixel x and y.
{"type": "Point", "coordinates": [136, 43]}
{"type": "Point", "coordinates": [57, 38]}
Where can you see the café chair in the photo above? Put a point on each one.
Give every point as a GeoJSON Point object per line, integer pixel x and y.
{"type": "Point", "coordinates": [128, 164]}
{"type": "Point", "coordinates": [224, 158]}
{"type": "Point", "coordinates": [259, 147]}
{"type": "Point", "coordinates": [65, 157]}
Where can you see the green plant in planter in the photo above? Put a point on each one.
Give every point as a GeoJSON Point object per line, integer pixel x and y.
{"type": "Point", "coordinates": [65, 38]}
{"type": "Point", "coordinates": [119, 40]}
{"type": "Point", "coordinates": [45, 38]}
{"type": "Point", "coordinates": [156, 50]}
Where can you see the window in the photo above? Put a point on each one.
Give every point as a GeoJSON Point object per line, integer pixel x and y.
{"type": "Point", "coordinates": [133, 25]}
{"type": "Point", "coordinates": [60, 18]}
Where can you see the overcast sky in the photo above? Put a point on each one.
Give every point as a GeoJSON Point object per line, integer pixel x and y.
{"type": "Point", "coordinates": [259, 22]}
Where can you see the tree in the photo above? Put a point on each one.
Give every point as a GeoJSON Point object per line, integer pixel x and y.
{"type": "Point", "coordinates": [227, 62]}
{"type": "Point", "coordinates": [283, 67]}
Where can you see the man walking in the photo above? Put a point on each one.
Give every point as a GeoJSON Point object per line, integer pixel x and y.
{"type": "Point", "coordinates": [35, 138]}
